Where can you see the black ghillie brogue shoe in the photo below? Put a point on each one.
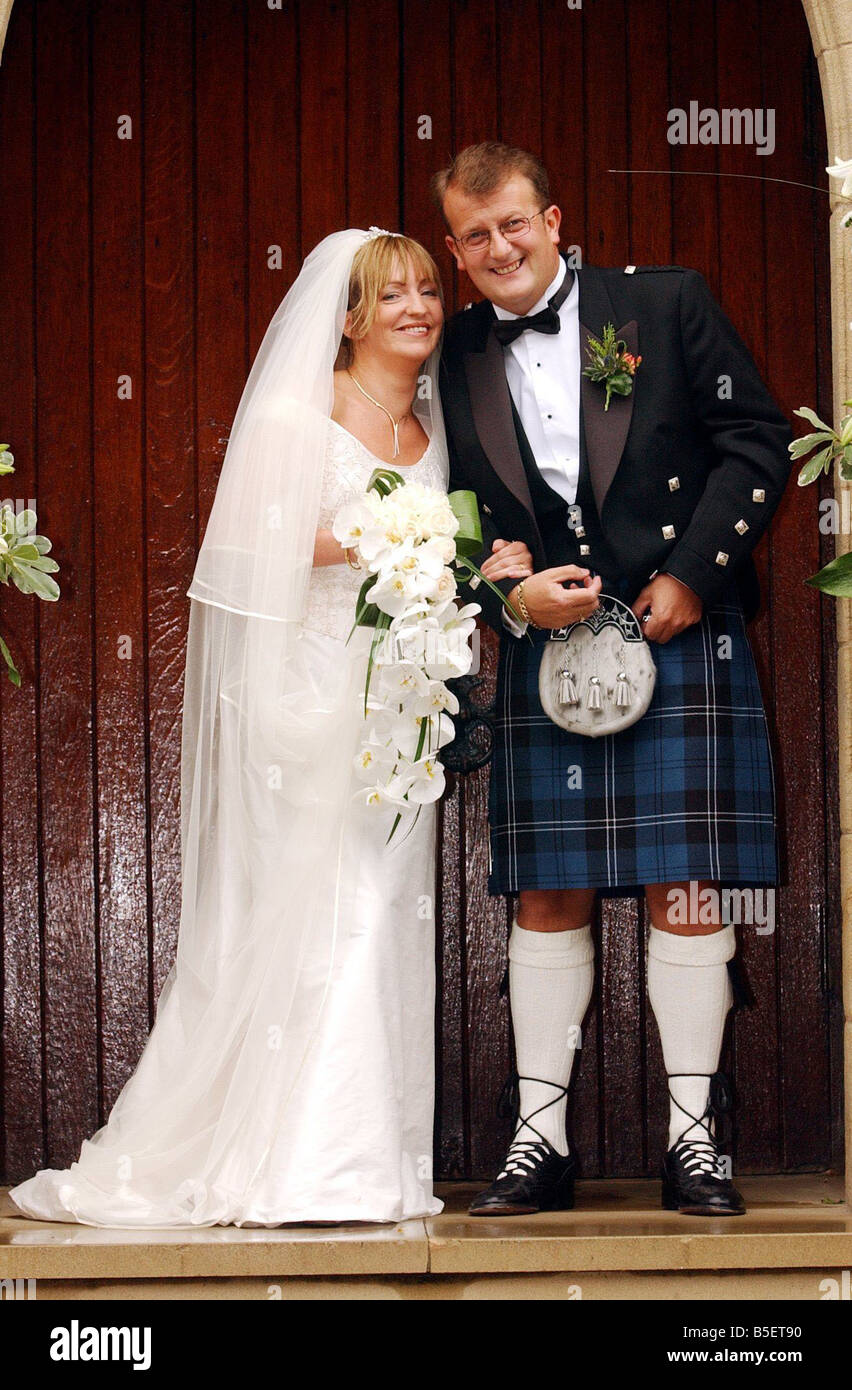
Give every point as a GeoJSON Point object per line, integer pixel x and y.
{"type": "Point", "coordinates": [534, 1177]}
{"type": "Point", "coordinates": [694, 1178]}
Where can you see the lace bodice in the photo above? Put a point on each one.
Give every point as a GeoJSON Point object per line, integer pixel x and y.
{"type": "Point", "coordinates": [333, 589]}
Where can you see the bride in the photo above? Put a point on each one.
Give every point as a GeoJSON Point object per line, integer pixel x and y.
{"type": "Point", "coordinates": [289, 1076]}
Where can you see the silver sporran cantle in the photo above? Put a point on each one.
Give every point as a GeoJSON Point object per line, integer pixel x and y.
{"type": "Point", "coordinates": [597, 675]}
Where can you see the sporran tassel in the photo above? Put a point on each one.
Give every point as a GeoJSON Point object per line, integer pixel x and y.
{"type": "Point", "coordinates": [567, 689]}
{"type": "Point", "coordinates": [594, 700]}
{"type": "Point", "coordinates": [622, 691]}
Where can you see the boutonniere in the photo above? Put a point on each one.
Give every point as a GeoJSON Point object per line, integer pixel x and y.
{"type": "Point", "coordinates": [611, 363]}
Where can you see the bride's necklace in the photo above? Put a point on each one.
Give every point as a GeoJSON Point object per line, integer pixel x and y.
{"type": "Point", "coordinates": [395, 423]}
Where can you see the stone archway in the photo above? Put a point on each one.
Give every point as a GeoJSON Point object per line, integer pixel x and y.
{"type": "Point", "coordinates": [5, 11]}
{"type": "Point", "coordinates": [830, 24]}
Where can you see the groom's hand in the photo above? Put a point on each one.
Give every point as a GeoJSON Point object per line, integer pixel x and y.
{"type": "Point", "coordinates": [548, 601]}
{"type": "Point", "coordinates": [674, 606]}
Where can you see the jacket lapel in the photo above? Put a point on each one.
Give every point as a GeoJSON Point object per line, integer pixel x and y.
{"type": "Point", "coordinates": [491, 406]}
{"type": "Point", "coordinates": [603, 433]}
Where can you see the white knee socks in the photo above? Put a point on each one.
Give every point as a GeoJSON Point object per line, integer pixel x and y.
{"type": "Point", "coordinates": [551, 975]}
{"type": "Point", "coordinates": [690, 993]}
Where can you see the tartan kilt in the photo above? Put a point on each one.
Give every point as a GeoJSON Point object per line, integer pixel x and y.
{"type": "Point", "coordinates": [687, 792]}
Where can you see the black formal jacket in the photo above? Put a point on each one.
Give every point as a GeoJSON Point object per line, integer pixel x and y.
{"type": "Point", "coordinates": [696, 452]}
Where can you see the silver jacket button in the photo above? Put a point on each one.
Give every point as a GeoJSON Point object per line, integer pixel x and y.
{"type": "Point", "coordinates": [741, 526]}
{"type": "Point", "coordinates": [668, 533]}
{"type": "Point", "coordinates": [758, 495]}
{"type": "Point", "coordinates": [721, 557]}
{"type": "Point", "coordinates": [674, 483]}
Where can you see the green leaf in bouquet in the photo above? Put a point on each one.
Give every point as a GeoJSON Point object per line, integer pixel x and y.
{"type": "Point", "coordinates": [384, 481]}
{"type": "Point", "coordinates": [25, 521]}
{"type": "Point", "coordinates": [834, 578]}
{"type": "Point", "coordinates": [466, 569]}
{"type": "Point", "coordinates": [465, 508]}
{"type": "Point", "coordinates": [382, 626]}
{"type": "Point", "coordinates": [366, 614]}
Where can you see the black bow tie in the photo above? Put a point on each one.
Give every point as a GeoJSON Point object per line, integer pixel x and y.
{"type": "Point", "coordinates": [545, 321]}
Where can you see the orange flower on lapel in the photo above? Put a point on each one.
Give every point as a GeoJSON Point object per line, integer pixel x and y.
{"type": "Point", "coordinates": [611, 364]}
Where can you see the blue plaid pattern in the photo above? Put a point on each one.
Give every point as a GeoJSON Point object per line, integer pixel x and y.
{"type": "Point", "coordinates": [687, 792]}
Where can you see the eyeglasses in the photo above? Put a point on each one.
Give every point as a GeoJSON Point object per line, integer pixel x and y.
{"type": "Point", "coordinates": [514, 229]}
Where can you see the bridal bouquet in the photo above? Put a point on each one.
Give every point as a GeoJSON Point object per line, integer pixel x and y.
{"type": "Point", "coordinates": [415, 544]}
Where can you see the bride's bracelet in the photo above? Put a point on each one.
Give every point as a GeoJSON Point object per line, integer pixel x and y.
{"type": "Point", "coordinates": [353, 564]}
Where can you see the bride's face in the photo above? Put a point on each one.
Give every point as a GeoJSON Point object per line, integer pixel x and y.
{"type": "Point", "coordinates": [408, 318]}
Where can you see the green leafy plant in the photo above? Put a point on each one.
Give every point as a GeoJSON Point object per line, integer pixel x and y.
{"type": "Point", "coordinates": [827, 447]}
{"type": "Point", "coordinates": [24, 558]}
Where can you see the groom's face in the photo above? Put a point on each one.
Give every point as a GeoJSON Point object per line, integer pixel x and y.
{"type": "Point", "coordinates": [512, 268]}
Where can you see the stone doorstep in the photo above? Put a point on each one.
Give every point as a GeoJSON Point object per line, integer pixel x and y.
{"type": "Point", "coordinates": [793, 1222]}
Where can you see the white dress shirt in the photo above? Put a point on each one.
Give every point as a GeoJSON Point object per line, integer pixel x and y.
{"type": "Point", "coordinates": [543, 373]}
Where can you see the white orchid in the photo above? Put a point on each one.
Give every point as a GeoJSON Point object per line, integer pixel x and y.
{"type": "Point", "coordinates": [437, 700]}
{"type": "Point", "coordinates": [384, 794]}
{"type": "Point", "coordinates": [353, 521]}
{"type": "Point", "coordinates": [391, 593]}
{"type": "Point", "coordinates": [375, 759]}
{"type": "Point", "coordinates": [401, 681]}
{"type": "Point", "coordinates": [408, 731]}
{"type": "Point", "coordinates": [429, 783]}
{"type": "Point", "coordinates": [448, 658]}
{"type": "Point", "coordinates": [462, 619]}
{"type": "Point", "coordinates": [442, 588]}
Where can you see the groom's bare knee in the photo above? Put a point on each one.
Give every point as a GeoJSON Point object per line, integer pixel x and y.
{"type": "Point", "coordinates": [555, 909]}
{"type": "Point", "coordinates": [685, 909]}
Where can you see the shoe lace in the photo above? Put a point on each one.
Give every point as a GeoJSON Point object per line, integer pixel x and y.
{"type": "Point", "coordinates": [702, 1155]}
{"type": "Point", "coordinates": [525, 1155]}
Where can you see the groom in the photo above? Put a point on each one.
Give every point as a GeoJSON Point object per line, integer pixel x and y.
{"type": "Point", "coordinates": [660, 499]}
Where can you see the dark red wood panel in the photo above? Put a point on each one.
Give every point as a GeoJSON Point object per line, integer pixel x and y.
{"type": "Point", "coordinates": [273, 221]}
{"type": "Point", "coordinates": [118, 394]}
{"type": "Point", "coordinates": [21, 957]}
{"type": "Point", "coordinates": [174, 496]}
{"type": "Point", "coordinates": [63, 362]}
{"type": "Point", "coordinates": [322, 97]}
{"type": "Point", "coordinates": [255, 132]}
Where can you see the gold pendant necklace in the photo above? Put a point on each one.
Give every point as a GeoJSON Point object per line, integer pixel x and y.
{"type": "Point", "coordinates": [395, 423]}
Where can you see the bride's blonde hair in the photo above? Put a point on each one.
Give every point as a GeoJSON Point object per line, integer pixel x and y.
{"type": "Point", "coordinates": [372, 269]}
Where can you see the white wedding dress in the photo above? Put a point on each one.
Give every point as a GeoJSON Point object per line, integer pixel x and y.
{"type": "Point", "coordinates": [352, 1139]}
